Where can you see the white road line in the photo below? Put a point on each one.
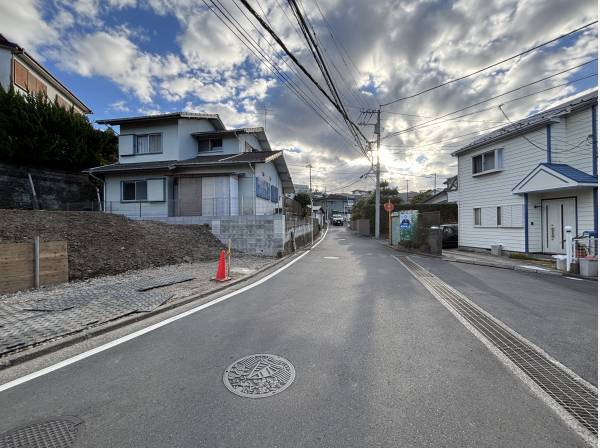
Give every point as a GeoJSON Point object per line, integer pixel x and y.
{"type": "Point", "coordinates": [153, 327]}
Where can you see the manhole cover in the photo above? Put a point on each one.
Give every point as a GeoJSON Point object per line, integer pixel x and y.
{"type": "Point", "coordinates": [57, 432]}
{"type": "Point", "coordinates": [259, 375]}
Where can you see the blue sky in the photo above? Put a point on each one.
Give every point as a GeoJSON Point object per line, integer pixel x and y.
{"type": "Point", "coordinates": [131, 57]}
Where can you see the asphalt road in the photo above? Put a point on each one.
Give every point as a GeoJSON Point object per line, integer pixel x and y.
{"type": "Point", "coordinates": [559, 314]}
{"type": "Point", "coordinates": [379, 363]}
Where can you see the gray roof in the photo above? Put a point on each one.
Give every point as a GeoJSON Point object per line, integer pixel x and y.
{"type": "Point", "coordinates": [221, 160]}
{"type": "Point", "coordinates": [213, 118]}
{"type": "Point", "coordinates": [532, 122]}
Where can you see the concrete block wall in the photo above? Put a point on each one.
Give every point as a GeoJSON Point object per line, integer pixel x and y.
{"type": "Point", "coordinates": [258, 235]}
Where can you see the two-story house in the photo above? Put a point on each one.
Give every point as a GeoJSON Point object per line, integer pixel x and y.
{"type": "Point", "coordinates": [190, 165]}
{"type": "Point", "coordinates": [522, 184]}
{"type": "Point", "coordinates": [20, 71]}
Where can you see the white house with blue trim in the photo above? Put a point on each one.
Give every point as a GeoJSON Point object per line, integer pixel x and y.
{"type": "Point", "coordinates": [522, 184]}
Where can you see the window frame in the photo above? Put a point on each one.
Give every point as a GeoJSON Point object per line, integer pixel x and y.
{"type": "Point", "coordinates": [135, 182]}
{"type": "Point", "coordinates": [498, 162]}
{"type": "Point", "coordinates": [476, 215]}
{"type": "Point", "coordinates": [211, 147]}
{"type": "Point", "coordinates": [147, 135]}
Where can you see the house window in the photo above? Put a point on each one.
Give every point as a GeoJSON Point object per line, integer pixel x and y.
{"type": "Point", "coordinates": [210, 145]}
{"type": "Point", "coordinates": [498, 216]}
{"type": "Point", "coordinates": [477, 216]}
{"type": "Point", "coordinates": [487, 161]}
{"type": "Point", "coordinates": [134, 190]}
{"type": "Point", "coordinates": [148, 144]}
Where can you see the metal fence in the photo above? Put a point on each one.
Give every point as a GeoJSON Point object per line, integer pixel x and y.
{"type": "Point", "coordinates": [214, 206]}
{"type": "Point", "coordinates": [585, 247]}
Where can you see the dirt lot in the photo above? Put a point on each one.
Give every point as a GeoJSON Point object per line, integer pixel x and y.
{"type": "Point", "coordinates": [106, 244]}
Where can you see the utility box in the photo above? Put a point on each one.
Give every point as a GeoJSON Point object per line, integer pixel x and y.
{"type": "Point", "coordinates": [588, 267]}
{"type": "Point", "coordinates": [497, 250]}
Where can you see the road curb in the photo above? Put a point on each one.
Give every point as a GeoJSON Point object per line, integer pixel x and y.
{"type": "Point", "coordinates": [533, 269]}
{"type": "Point", "coordinates": [45, 348]}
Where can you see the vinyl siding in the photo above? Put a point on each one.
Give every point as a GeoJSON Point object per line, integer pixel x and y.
{"type": "Point", "coordinates": [494, 189]}
{"type": "Point", "coordinates": [570, 145]}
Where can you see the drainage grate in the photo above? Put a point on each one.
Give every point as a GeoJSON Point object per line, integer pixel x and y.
{"type": "Point", "coordinates": [259, 375]}
{"type": "Point", "coordinates": [52, 433]}
{"type": "Point", "coordinates": [578, 398]}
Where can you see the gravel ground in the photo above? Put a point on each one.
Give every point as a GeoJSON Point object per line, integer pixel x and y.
{"type": "Point", "coordinates": [106, 244]}
{"type": "Point", "coordinates": [202, 272]}
{"type": "Point", "coordinates": [28, 318]}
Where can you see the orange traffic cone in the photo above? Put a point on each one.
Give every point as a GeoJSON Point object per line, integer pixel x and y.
{"type": "Point", "coordinates": [221, 269]}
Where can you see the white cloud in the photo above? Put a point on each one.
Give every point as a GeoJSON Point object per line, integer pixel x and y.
{"type": "Point", "coordinates": [22, 22]}
{"type": "Point", "coordinates": [113, 56]}
{"type": "Point", "coordinates": [208, 45]}
{"type": "Point", "coordinates": [120, 4]}
{"type": "Point", "coordinates": [119, 106]}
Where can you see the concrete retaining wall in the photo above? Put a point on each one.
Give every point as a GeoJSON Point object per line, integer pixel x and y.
{"type": "Point", "coordinates": [56, 190]}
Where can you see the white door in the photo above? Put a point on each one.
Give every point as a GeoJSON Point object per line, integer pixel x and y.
{"type": "Point", "coordinates": [556, 214]}
{"type": "Point", "coordinates": [215, 196]}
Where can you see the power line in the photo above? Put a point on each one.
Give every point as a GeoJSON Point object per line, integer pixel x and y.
{"type": "Point", "coordinates": [342, 51]}
{"type": "Point", "coordinates": [492, 65]}
{"type": "Point", "coordinates": [292, 68]}
{"type": "Point", "coordinates": [311, 38]}
{"type": "Point", "coordinates": [421, 125]}
{"type": "Point", "coordinates": [298, 64]}
{"type": "Point", "coordinates": [266, 61]}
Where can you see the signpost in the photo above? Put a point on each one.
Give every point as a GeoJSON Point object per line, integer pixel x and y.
{"type": "Point", "coordinates": [389, 208]}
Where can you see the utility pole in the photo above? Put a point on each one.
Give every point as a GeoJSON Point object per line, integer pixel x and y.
{"type": "Point", "coordinates": [434, 183]}
{"type": "Point", "coordinates": [312, 233]}
{"type": "Point", "coordinates": [369, 113]}
{"type": "Point", "coordinates": [407, 191]}
{"type": "Point", "coordinates": [377, 178]}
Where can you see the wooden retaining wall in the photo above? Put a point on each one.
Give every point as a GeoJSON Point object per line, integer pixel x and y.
{"type": "Point", "coordinates": [17, 265]}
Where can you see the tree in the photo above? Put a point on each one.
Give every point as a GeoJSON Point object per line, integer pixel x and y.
{"type": "Point", "coordinates": [303, 199]}
{"type": "Point", "coordinates": [35, 131]}
{"type": "Point", "coordinates": [421, 196]}
{"type": "Point", "coordinates": [364, 208]}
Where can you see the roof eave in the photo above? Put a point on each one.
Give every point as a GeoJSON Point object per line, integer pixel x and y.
{"type": "Point", "coordinates": [64, 90]}
{"type": "Point", "coordinates": [503, 137]}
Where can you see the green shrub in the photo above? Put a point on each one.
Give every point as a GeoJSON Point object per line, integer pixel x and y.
{"type": "Point", "coordinates": [35, 131]}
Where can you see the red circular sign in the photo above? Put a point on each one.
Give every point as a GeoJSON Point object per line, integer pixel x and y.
{"type": "Point", "coordinates": [388, 206]}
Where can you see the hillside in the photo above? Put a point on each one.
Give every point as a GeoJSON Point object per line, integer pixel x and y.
{"type": "Point", "coordinates": [105, 244]}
